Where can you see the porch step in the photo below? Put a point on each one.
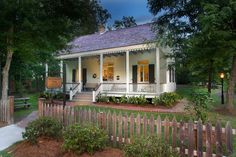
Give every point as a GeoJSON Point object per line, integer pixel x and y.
{"type": "Point", "coordinates": [83, 98]}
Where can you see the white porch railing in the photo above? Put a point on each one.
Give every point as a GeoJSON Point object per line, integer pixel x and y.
{"type": "Point", "coordinates": [143, 88]}
{"type": "Point", "coordinates": [97, 90]}
{"type": "Point", "coordinates": [138, 88]}
{"type": "Point", "coordinates": [114, 87]}
{"type": "Point", "coordinates": [73, 88]}
{"type": "Point", "coordinates": [168, 87]}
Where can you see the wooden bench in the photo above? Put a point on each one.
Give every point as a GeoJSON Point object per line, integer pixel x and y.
{"type": "Point", "coordinates": [21, 102]}
{"type": "Point", "coordinates": [90, 86]}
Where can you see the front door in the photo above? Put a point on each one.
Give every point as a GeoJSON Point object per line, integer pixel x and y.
{"type": "Point", "coordinates": [73, 75]}
{"type": "Point", "coordinates": [84, 76]}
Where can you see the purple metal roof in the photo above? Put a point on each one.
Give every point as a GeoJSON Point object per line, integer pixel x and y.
{"type": "Point", "coordinates": [112, 39]}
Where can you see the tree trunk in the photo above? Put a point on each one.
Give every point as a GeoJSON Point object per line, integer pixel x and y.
{"type": "Point", "coordinates": [210, 76]}
{"type": "Point", "coordinates": [5, 73]}
{"type": "Point", "coordinates": [231, 86]}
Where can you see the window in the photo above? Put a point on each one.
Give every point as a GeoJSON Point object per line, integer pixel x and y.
{"type": "Point", "coordinates": [171, 70]}
{"type": "Point", "coordinates": [108, 72]}
{"type": "Point", "coordinates": [143, 71]}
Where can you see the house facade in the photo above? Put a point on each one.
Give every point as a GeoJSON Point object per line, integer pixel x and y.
{"type": "Point", "coordinates": [119, 62]}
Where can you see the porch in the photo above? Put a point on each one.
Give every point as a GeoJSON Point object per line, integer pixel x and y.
{"type": "Point", "coordinates": [130, 72]}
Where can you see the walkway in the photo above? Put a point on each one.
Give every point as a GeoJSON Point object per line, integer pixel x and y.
{"type": "Point", "coordinates": [13, 133]}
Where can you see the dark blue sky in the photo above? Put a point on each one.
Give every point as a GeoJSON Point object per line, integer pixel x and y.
{"type": "Point", "coordinates": [119, 8]}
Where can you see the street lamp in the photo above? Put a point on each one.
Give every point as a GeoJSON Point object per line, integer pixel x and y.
{"type": "Point", "coordinates": [222, 76]}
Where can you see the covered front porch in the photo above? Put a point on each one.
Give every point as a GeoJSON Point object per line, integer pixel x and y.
{"type": "Point", "coordinates": [130, 72]}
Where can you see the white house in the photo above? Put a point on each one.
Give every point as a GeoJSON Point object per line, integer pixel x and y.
{"type": "Point", "coordinates": [118, 62]}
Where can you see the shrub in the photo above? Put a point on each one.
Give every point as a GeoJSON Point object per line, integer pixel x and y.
{"type": "Point", "coordinates": [102, 98]}
{"type": "Point", "coordinates": [58, 96]}
{"type": "Point", "coordinates": [46, 95]}
{"type": "Point", "coordinates": [166, 99]}
{"type": "Point", "coordinates": [44, 126]}
{"type": "Point", "coordinates": [114, 100]}
{"type": "Point", "coordinates": [150, 146]}
{"type": "Point", "coordinates": [50, 96]}
{"type": "Point", "coordinates": [123, 99]}
{"type": "Point", "coordinates": [142, 100]}
{"type": "Point", "coordinates": [84, 139]}
{"type": "Point", "coordinates": [132, 100]}
{"type": "Point", "coordinates": [199, 105]}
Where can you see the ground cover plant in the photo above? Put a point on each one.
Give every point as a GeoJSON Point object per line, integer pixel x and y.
{"type": "Point", "coordinates": [150, 146]}
{"type": "Point", "coordinates": [166, 99]}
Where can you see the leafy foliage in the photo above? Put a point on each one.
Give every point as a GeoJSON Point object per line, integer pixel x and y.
{"type": "Point", "coordinates": [126, 22]}
{"type": "Point", "coordinates": [82, 139]}
{"type": "Point", "coordinates": [199, 105]}
{"type": "Point", "coordinates": [166, 99]}
{"type": "Point", "coordinates": [44, 126]}
{"type": "Point", "coordinates": [140, 100]}
{"type": "Point", "coordinates": [102, 98]}
{"type": "Point", "coordinates": [202, 34]}
{"type": "Point", "coordinates": [150, 146]}
{"type": "Point", "coordinates": [51, 96]}
{"type": "Point", "coordinates": [33, 30]}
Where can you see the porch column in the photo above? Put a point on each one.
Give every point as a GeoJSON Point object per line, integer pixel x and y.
{"type": "Point", "coordinates": [157, 71]}
{"type": "Point", "coordinates": [101, 68]}
{"type": "Point", "coordinates": [127, 71]}
{"type": "Point", "coordinates": [79, 72]}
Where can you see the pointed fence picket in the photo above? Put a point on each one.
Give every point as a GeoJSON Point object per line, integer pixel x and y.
{"type": "Point", "coordinates": [191, 138]}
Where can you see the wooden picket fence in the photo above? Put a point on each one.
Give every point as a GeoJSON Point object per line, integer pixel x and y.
{"type": "Point", "coordinates": [192, 138]}
{"type": "Point", "coordinates": [7, 111]}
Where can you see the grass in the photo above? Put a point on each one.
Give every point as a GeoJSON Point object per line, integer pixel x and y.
{"type": "Point", "coordinates": [4, 154]}
{"type": "Point", "coordinates": [22, 112]}
{"type": "Point", "coordinates": [186, 92]}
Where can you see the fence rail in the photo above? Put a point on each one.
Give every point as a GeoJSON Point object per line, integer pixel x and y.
{"type": "Point", "coordinates": [192, 138]}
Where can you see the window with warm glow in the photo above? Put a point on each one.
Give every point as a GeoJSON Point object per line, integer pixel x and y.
{"type": "Point", "coordinates": [108, 72]}
{"type": "Point", "coordinates": [143, 71]}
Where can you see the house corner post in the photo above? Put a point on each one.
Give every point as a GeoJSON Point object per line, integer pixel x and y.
{"type": "Point", "coordinates": [61, 72]}
{"type": "Point", "coordinates": [127, 72]}
{"type": "Point", "coordinates": [79, 73]}
{"type": "Point", "coordinates": [11, 110]}
{"type": "Point", "coordinates": [157, 71]}
{"type": "Point", "coordinates": [40, 106]}
{"type": "Point", "coordinates": [101, 68]}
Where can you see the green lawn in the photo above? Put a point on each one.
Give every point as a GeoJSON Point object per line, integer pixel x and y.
{"type": "Point", "coordinates": [187, 90]}
{"type": "Point", "coordinates": [22, 112]}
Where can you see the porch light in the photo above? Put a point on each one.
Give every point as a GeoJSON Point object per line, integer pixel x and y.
{"type": "Point", "coordinates": [222, 75]}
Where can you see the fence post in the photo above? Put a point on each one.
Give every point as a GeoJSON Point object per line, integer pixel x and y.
{"type": "Point", "coordinates": [11, 110]}
{"type": "Point", "coordinates": [40, 106]}
{"type": "Point", "coordinates": [229, 138]}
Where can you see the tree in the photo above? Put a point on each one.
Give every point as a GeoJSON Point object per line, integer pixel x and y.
{"type": "Point", "coordinates": [126, 22]}
{"type": "Point", "coordinates": [29, 27]}
{"type": "Point", "coordinates": [201, 29]}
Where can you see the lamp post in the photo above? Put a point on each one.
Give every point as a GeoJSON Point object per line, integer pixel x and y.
{"type": "Point", "coordinates": [222, 75]}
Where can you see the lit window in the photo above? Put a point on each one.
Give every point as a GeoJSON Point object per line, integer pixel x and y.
{"type": "Point", "coordinates": [143, 71]}
{"type": "Point", "coordinates": [108, 72]}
